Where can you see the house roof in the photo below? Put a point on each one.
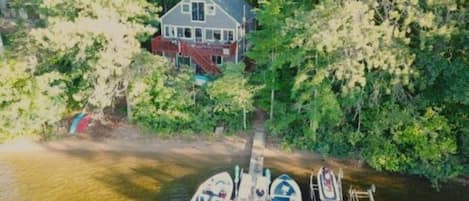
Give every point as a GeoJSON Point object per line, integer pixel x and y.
{"type": "Point", "coordinates": [235, 8]}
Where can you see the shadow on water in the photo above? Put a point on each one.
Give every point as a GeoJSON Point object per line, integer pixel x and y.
{"type": "Point", "coordinates": [148, 176]}
{"type": "Point", "coordinates": [80, 174]}
{"type": "Point", "coordinates": [168, 186]}
{"type": "Point", "coordinates": [389, 187]}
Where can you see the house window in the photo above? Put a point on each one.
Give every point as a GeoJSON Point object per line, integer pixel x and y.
{"type": "Point", "coordinates": [187, 32]}
{"type": "Point", "coordinates": [210, 9]}
{"type": "Point", "coordinates": [180, 32]}
{"type": "Point", "coordinates": [169, 32]}
{"type": "Point", "coordinates": [228, 35]}
{"type": "Point", "coordinates": [183, 61]}
{"type": "Point", "coordinates": [208, 34]}
{"type": "Point", "coordinates": [185, 9]}
{"type": "Point", "coordinates": [166, 31]}
{"type": "Point", "coordinates": [198, 11]}
{"type": "Point", "coordinates": [218, 60]}
{"type": "Point", "coordinates": [217, 34]}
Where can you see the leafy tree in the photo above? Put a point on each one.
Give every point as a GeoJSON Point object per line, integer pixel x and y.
{"type": "Point", "coordinates": [166, 4]}
{"type": "Point", "coordinates": [405, 141]}
{"type": "Point", "coordinates": [232, 93]}
{"type": "Point", "coordinates": [269, 49]}
{"type": "Point", "coordinates": [29, 103]}
{"type": "Point", "coordinates": [365, 77]}
{"type": "Point", "coordinates": [92, 44]}
{"type": "Point", "coordinates": [162, 99]}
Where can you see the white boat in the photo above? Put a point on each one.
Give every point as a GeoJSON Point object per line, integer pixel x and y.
{"type": "Point", "coordinates": [327, 185]}
{"type": "Point", "coordinates": [216, 188]}
{"type": "Point", "coordinates": [284, 188]}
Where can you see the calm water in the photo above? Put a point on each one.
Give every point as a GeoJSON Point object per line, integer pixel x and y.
{"type": "Point", "coordinates": [114, 176]}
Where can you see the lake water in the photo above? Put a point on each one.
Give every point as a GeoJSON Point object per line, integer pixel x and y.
{"type": "Point", "coordinates": [80, 175]}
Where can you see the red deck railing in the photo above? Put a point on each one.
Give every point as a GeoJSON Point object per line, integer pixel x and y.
{"type": "Point", "coordinates": [203, 61]}
{"type": "Point", "coordinates": [200, 53]}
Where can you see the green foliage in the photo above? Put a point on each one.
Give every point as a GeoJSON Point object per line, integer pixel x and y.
{"type": "Point", "coordinates": [166, 4]}
{"type": "Point", "coordinates": [231, 94]}
{"type": "Point", "coordinates": [83, 52]}
{"type": "Point", "coordinates": [92, 43]}
{"type": "Point", "coordinates": [161, 100]}
{"type": "Point", "coordinates": [29, 104]}
{"type": "Point", "coordinates": [385, 80]}
{"type": "Point", "coordinates": [167, 101]}
{"type": "Point", "coordinates": [403, 140]}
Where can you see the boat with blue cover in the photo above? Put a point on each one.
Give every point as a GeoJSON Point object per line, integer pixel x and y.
{"type": "Point", "coordinates": [284, 188]}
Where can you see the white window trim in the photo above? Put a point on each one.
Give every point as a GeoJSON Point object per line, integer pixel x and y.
{"type": "Point", "coordinates": [180, 56]}
{"type": "Point", "coordinates": [190, 8]}
{"type": "Point", "coordinates": [184, 32]}
{"type": "Point", "coordinates": [221, 59]}
{"type": "Point", "coordinates": [170, 28]}
{"type": "Point", "coordinates": [203, 34]}
{"type": "Point", "coordinates": [164, 31]}
{"type": "Point", "coordinates": [205, 11]}
{"type": "Point", "coordinates": [214, 9]}
{"type": "Point", "coordinates": [221, 34]}
{"type": "Point", "coordinates": [233, 34]}
{"type": "Point", "coordinates": [177, 35]}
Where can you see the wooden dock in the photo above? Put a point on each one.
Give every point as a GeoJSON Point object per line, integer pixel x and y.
{"type": "Point", "coordinates": [255, 178]}
{"type": "Point", "coordinates": [358, 195]}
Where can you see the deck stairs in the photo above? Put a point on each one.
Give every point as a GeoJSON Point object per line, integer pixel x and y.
{"type": "Point", "coordinates": [204, 62]}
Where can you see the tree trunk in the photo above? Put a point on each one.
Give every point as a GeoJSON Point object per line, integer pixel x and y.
{"type": "Point", "coordinates": [272, 92]}
{"type": "Point", "coordinates": [129, 107]}
{"type": "Point", "coordinates": [1, 44]}
{"type": "Point", "coordinates": [244, 119]}
{"type": "Point", "coordinates": [113, 105]}
{"type": "Point", "coordinates": [272, 99]}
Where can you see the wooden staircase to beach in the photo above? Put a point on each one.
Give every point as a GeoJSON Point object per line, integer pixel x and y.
{"type": "Point", "coordinates": [203, 61]}
{"type": "Point", "coordinates": [201, 53]}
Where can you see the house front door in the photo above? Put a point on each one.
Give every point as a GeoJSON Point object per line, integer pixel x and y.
{"type": "Point", "coordinates": [198, 35]}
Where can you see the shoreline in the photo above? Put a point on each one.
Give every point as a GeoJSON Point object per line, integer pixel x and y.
{"type": "Point", "coordinates": [129, 139]}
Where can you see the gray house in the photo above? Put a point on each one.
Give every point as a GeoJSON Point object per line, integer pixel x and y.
{"type": "Point", "coordinates": [205, 33]}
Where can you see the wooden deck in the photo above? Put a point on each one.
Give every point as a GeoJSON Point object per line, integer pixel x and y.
{"type": "Point", "coordinates": [200, 53]}
{"type": "Point", "coordinates": [255, 178]}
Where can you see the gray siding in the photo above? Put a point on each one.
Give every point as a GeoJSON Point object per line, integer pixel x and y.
{"type": "Point", "coordinates": [222, 20]}
{"type": "Point", "coordinates": [219, 20]}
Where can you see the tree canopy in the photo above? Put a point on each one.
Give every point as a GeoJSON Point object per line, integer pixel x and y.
{"type": "Point", "coordinates": [368, 79]}
{"type": "Point", "coordinates": [381, 81]}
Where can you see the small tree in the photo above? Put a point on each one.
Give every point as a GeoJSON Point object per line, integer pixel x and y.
{"type": "Point", "coordinates": [29, 104]}
{"type": "Point", "coordinates": [161, 99]}
{"type": "Point", "coordinates": [92, 43]}
{"type": "Point", "coordinates": [232, 93]}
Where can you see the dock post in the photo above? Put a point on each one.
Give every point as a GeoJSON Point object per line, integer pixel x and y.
{"type": "Point", "coordinates": [339, 179]}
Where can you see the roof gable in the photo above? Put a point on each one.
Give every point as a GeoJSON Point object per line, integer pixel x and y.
{"type": "Point", "coordinates": [236, 8]}
{"type": "Point", "coordinates": [233, 8]}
